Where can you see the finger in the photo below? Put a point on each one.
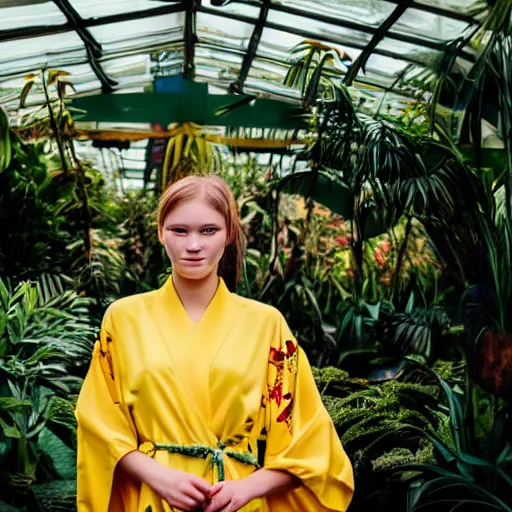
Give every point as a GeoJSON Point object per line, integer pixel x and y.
{"type": "Point", "coordinates": [230, 507]}
{"type": "Point", "coordinates": [185, 503]}
{"type": "Point", "coordinates": [218, 502]}
{"type": "Point", "coordinates": [202, 485]}
{"type": "Point", "coordinates": [198, 496]}
{"type": "Point", "coordinates": [216, 488]}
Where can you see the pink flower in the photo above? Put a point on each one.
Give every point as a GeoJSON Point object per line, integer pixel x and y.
{"type": "Point", "coordinates": [342, 241]}
{"type": "Point", "coordinates": [385, 246]}
{"type": "Point", "coordinates": [379, 258]}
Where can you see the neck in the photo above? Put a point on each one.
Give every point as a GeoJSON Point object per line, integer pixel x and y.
{"type": "Point", "coordinates": [195, 294]}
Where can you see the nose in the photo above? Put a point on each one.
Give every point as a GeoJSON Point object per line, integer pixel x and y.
{"type": "Point", "coordinates": [193, 243]}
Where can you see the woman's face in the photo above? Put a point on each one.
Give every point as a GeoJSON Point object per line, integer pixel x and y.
{"type": "Point", "coordinates": [194, 235]}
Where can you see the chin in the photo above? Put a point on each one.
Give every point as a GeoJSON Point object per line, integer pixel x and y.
{"type": "Point", "coordinates": [194, 274]}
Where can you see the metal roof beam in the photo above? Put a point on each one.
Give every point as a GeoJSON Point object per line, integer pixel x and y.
{"type": "Point", "coordinates": [136, 15]}
{"type": "Point", "coordinates": [92, 47]}
{"type": "Point", "coordinates": [237, 85]}
{"type": "Point", "coordinates": [379, 35]}
{"type": "Point", "coordinates": [190, 36]}
{"type": "Point", "coordinates": [43, 30]}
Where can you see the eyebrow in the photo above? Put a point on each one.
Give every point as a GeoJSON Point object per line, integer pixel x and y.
{"type": "Point", "coordinates": [184, 225]}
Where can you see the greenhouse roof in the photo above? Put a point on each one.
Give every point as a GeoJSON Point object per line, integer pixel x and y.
{"type": "Point", "coordinates": [237, 46]}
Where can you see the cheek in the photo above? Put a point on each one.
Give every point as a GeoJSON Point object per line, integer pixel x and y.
{"type": "Point", "coordinates": [221, 244]}
{"type": "Point", "coordinates": [170, 244]}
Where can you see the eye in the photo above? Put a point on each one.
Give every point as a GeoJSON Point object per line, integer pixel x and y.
{"type": "Point", "coordinates": [179, 231]}
{"type": "Point", "coordinates": [210, 230]}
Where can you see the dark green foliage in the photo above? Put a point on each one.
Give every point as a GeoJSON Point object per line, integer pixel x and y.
{"type": "Point", "coordinates": [47, 228]}
{"type": "Point", "coordinates": [34, 234]}
{"type": "Point", "coordinates": [56, 496]}
{"type": "Point", "coordinates": [380, 427]}
{"type": "Point", "coordinates": [45, 338]}
{"type": "Point", "coordinates": [418, 331]}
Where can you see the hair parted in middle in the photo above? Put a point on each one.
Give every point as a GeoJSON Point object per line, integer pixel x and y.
{"type": "Point", "coordinates": [217, 194]}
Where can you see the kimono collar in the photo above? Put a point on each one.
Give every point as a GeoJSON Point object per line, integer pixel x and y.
{"type": "Point", "coordinates": [217, 305]}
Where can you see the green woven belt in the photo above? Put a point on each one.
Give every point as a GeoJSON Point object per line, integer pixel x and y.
{"type": "Point", "coordinates": [202, 452]}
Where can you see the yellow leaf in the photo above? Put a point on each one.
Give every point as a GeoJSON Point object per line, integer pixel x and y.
{"type": "Point", "coordinates": [24, 92]}
{"type": "Point", "coordinates": [178, 143]}
{"type": "Point", "coordinates": [188, 147]}
{"type": "Point", "coordinates": [53, 74]}
{"type": "Point", "coordinates": [68, 84]}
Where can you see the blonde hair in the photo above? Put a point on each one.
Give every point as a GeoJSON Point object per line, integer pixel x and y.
{"type": "Point", "coordinates": [218, 195]}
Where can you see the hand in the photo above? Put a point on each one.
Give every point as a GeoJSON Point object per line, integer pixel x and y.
{"type": "Point", "coordinates": [180, 489]}
{"type": "Point", "coordinates": [230, 496]}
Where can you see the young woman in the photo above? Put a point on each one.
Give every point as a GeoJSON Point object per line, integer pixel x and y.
{"type": "Point", "coordinates": [185, 380]}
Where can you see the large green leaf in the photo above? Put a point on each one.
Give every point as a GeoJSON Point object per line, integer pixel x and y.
{"type": "Point", "coordinates": [324, 189]}
{"type": "Point", "coordinates": [418, 332]}
{"type": "Point", "coordinates": [62, 457]}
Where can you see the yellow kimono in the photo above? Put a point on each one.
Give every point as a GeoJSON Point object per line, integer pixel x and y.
{"type": "Point", "coordinates": [198, 397]}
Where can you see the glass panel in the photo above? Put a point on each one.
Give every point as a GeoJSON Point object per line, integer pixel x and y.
{"type": "Point", "coordinates": [430, 26]}
{"type": "Point", "coordinates": [276, 70]}
{"type": "Point", "coordinates": [11, 85]}
{"type": "Point", "coordinates": [24, 55]}
{"type": "Point", "coordinates": [223, 32]}
{"type": "Point", "coordinates": [276, 44]}
{"type": "Point", "coordinates": [88, 87]}
{"type": "Point", "coordinates": [221, 72]}
{"type": "Point", "coordinates": [412, 52]}
{"type": "Point", "coordinates": [216, 75]}
{"type": "Point", "coordinates": [468, 7]}
{"type": "Point", "coordinates": [322, 29]}
{"type": "Point", "coordinates": [136, 65]}
{"type": "Point", "coordinates": [138, 34]}
{"type": "Point", "coordinates": [100, 8]}
{"type": "Point", "coordinates": [133, 71]}
{"type": "Point", "coordinates": [275, 90]}
{"type": "Point", "coordinates": [371, 12]}
{"type": "Point", "coordinates": [83, 78]}
{"type": "Point", "coordinates": [46, 13]}
{"type": "Point", "coordinates": [215, 55]}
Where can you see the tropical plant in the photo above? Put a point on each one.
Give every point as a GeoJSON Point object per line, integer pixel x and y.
{"type": "Point", "coordinates": [142, 250]}
{"type": "Point", "coordinates": [187, 152]}
{"type": "Point", "coordinates": [380, 427]}
{"type": "Point", "coordinates": [5, 141]}
{"type": "Point", "coordinates": [473, 454]}
{"type": "Point", "coordinates": [313, 68]}
{"type": "Point", "coordinates": [45, 338]}
{"type": "Point", "coordinates": [389, 175]}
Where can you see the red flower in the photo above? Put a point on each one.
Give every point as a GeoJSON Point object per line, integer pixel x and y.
{"type": "Point", "coordinates": [385, 246]}
{"type": "Point", "coordinates": [291, 348]}
{"type": "Point", "coordinates": [276, 355]}
{"type": "Point", "coordinates": [286, 414]}
{"type": "Point", "coordinates": [342, 240]}
{"type": "Point", "coordinates": [379, 258]}
{"type": "Point", "coordinates": [277, 393]}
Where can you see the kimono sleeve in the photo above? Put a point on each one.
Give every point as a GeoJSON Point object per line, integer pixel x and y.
{"type": "Point", "coordinates": [105, 430]}
{"type": "Point", "coordinates": [301, 437]}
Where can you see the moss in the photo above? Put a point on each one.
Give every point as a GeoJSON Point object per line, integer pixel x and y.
{"type": "Point", "coordinates": [393, 459]}
{"type": "Point", "coordinates": [328, 374]}
{"type": "Point", "coordinates": [384, 426]}
{"type": "Point", "coordinates": [334, 381]}
{"type": "Point", "coordinates": [453, 372]}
